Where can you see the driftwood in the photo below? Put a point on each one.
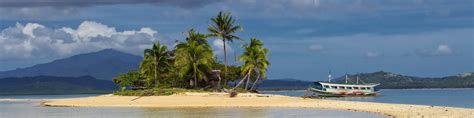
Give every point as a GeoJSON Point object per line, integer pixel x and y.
{"type": "Point", "coordinates": [232, 93]}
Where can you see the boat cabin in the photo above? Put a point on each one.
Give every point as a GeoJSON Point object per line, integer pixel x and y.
{"type": "Point", "coordinates": [344, 89]}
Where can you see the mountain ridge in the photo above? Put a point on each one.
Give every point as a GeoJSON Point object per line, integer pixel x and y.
{"type": "Point", "coordinates": [387, 80]}
{"type": "Point", "coordinates": [92, 64]}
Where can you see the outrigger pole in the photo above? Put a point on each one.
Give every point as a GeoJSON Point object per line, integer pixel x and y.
{"type": "Point", "coordinates": [346, 78]}
{"type": "Point", "coordinates": [329, 76]}
{"type": "Point", "coordinates": [357, 79]}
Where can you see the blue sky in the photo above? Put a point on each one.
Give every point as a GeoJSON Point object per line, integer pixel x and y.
{"type": "Point", "coordinates": [307, 38]}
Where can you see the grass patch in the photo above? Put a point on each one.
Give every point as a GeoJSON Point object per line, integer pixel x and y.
{"type": "Point", "coordinates": [157, 92]}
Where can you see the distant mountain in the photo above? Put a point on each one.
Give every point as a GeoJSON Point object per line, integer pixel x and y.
{"type": "Point", "coordinates": [389, 80]}
{"type": "Point", "coordinates": [104, 64]}
{"type": "Point", "coordinates": [54, 85]}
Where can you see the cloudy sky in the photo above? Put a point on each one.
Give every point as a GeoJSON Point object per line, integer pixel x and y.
{"type": "Point", "coordinates": [307, 38]}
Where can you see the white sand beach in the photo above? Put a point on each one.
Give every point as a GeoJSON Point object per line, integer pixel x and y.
{"type": "Point", "coordinates": [261, 100]}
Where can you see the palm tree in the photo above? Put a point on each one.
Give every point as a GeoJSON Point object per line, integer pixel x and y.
{"type": "Point", "coordinates": [261, 66]}
{"type": "Point", "coordinates": [224, 28]}
{"type": "Point", "coordinates": [194, 58]}
{"type": "Point", "coordinates": [156, 62]}
{"type": "Point", "coordinates": [255, 62]}
{"type": "Point", "coordinates": [196, 36]}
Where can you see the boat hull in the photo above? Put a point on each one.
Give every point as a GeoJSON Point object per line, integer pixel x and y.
{"type": "Point", "coordinates": [342, 94]}
{"type": "Point", "coordinates": [325, 89]}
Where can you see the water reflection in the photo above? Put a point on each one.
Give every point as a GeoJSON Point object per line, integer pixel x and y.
{"type": "Point", "coordinates": [251, 112]}
{"type": "Point", "coordinates": [33, 110]}
{"type": "Point", "coordinates": [204, 112]}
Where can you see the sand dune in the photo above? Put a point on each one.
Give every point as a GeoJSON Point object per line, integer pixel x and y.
{"type": "Point", "coordinates": [262, 100]}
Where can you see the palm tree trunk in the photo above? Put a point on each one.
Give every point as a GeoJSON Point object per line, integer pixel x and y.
{"type": "Point", "coordinates": [225, 62]}
{"type": "Point", "coordinates": [219, 83]}
{"type": "Point", "coordinates": [195, 75]}
{"type": "Point", "coordinates": [255, 83]}
{"type": "Point", "coordinates": [247, 82]}
{"type": "Point", "coordinates": [155, 79]}
{"type": "Point", "coordinates": [195, 81]}
{"type": "Point", "coordinates": [156, 71]}
{"type": "Point", "coordinates": [243, 79]}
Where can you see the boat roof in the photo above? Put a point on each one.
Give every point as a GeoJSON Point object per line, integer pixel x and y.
{"type": "Point", "coordinates": [361, 85]}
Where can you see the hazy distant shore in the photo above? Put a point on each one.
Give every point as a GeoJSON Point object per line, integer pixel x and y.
{"type": "Point", "coordinates": [259, 100]}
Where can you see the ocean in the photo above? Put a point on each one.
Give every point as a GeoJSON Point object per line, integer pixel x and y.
{"type": "Point", "coordinates": [436, 97]}
{"type": "Point", "coordinates": [29, 106]}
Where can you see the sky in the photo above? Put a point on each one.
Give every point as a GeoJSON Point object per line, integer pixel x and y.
{"type": "Point", "coordinates": [306, 38]}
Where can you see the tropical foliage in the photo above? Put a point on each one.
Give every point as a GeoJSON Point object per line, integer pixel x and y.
{"type": "Point", "coordinates": [224, 28]}
{"type": "Point", "coordinates": [130, 79]}
{"type": "Point", "coordinates": [156, 65]}
{"type": "Point", "coordinates": [194, 58]}
{"type": "Point", "coordinates": [192, 63]}
{"type": "Point", "coordinates": [255, 63]}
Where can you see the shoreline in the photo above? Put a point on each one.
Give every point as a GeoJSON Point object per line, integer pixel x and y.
{"type": "Point", "coordinates": [200, 100]}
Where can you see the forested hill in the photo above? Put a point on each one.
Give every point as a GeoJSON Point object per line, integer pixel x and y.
{"type": "Point", "coordinates": [88, 84]}
{"type": "Point", "coordinates": [104, 64]}
{"type": "Point", "coordinates": [389, 80]}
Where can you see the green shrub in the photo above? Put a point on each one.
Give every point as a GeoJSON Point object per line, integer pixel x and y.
{"type": "Point", "coordinates": [156, 92]}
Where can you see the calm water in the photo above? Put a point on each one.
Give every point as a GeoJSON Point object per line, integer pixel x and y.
{"type": "Point", "coordinates": [31, 109]}
{"type": "Point", "coordinates": [438, 97]}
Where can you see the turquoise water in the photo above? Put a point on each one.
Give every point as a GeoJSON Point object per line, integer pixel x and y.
{"type": "Point", "coordinates": [31, 109]}
{"type": "Point", "coordinates": [436, 97]}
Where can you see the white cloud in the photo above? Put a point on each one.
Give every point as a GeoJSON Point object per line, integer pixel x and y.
{"type": "Point", "coordinates": [304, 4]}
{"type": "Point", "coordinates": [28, 29]}
{"type": "Point", "coordinates": [148, 31]}
{"type": "Point", "coordinates": [32, 41]}
{"type": "Point", "coordinates": [316, 47]}
{"type": "Point", "coordinates": [371, 54]}
{"type": "Point", "coordinates": [218, 46]}
{"type": "Point", "coordinates": [443, 50]}
{"type": "Point", "coordinates": [93, 29]}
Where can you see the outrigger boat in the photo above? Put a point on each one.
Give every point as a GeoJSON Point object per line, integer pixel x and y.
{"type": "Point", "coordinates": [330, 89]}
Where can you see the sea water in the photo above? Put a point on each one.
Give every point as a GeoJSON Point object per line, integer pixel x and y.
{"type": "Point", "coordinates": [436, 97]}
{"type": "Point", "coordinates": [29, 107]}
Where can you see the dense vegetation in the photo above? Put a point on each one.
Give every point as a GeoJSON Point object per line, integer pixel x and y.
{"type": "Point", "coordinates": [191, 64]}
{"type": "Point", "coordinates": [54, 85]}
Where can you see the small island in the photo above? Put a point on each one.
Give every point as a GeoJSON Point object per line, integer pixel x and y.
{"type": "Point", "coordinates": [192, 66]}
{"type": "Point", "coordinates": [190, 75]}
